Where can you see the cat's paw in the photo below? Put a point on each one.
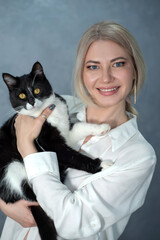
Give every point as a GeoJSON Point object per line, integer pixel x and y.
{"type": "Point", "coordinates": [106, 164]}
{"type": "Point", "coordinates": [99, 129]}
{"type": "Point", "coordinates": [99, 165]}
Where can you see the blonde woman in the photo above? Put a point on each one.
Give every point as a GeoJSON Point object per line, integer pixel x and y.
{"type": "Point", "coordinates": [109, 70]}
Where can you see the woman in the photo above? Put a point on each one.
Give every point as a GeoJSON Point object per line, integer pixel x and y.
{"type": "Point", "coordinates": [109, 69]}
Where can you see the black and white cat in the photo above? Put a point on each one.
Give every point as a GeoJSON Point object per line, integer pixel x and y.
{"type": "Point", "coordinates": [30, 94]}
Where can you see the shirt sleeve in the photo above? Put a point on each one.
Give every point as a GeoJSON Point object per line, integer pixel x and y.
{"type": "Point", "coordinates": [108, 197]}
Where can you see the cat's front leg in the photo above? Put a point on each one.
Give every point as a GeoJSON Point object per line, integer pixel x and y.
{"type": "Point", "coordinates": [81, 130]}
{"type": "Point", "coordinates": [69, 158]}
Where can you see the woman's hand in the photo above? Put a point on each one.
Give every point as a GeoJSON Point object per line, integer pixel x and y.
{"type": "Point", "coordinates": [20, 212]}
{"type": "Point", "coordinates": [28, 129]}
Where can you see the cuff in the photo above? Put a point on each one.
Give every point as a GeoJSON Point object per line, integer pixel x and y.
{"type": "Point", "coordinates": [40, 163]}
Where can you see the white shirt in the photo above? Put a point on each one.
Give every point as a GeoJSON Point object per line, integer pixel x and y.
{"type": "Point", "coordinates": [92, 206]}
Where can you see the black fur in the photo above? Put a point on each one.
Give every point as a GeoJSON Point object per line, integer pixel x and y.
{"type": "Point", "coordinates": [50, 139]}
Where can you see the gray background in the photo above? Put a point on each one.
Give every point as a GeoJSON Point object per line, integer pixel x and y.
{"type": "Point", "coordinates": [49, 31]}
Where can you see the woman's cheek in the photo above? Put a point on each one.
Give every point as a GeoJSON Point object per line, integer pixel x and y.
{"type": "Point", "coordinates": [90, 79]}
{"type": "Point", "coordinates": [88, 82]}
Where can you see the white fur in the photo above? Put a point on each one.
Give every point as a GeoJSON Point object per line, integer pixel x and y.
{"type": "Point", "coordinates": [106, 164]}
{"type": "Point", "coordinates": [15, 174]}
{"type": "Point", "coordinates": [37, 72]}
{"type": "Point", "coordinates": [59, 118]}
{"type": "Point", "coordinates": [37, 104]}
{"type": "Point", "coordinates": [82, 129]}
{"type": "Point", "coordinates": [30, 90]}
{"type": "Point", "coordinates": [29, 106]}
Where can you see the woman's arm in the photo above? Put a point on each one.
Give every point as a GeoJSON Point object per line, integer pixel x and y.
{"type": "Point", "coordinates": [104, 200]}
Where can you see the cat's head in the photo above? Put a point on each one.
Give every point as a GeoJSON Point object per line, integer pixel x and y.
{"type": "Point", "coordinates": [29, 93]}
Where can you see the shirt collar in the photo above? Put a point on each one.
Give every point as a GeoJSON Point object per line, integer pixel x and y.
{"type": "Point", "coordinates": [81, 115]}
{"type": "Point", "coordinates": [119, 135]}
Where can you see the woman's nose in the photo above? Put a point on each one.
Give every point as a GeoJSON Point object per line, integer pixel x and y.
{"type": "Point", "coordinates": [107, 75]}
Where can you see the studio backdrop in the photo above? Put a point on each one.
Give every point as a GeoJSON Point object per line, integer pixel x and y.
{"type": "Point", "coordinates": [48, 31]}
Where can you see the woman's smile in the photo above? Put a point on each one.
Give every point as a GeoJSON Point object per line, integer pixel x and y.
{"type": "Point", "coordinates": [108, 91]}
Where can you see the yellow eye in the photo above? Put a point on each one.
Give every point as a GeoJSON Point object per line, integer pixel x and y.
{"type": "Point", "coordinates": [37, 90]}
{"type": "Point", "coordinates": [22, 95]}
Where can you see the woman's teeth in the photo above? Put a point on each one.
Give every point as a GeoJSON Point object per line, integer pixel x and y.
{"type": "Point", "coordinates": [108, 90]}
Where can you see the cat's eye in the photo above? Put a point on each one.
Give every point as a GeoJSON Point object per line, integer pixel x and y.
{"type": "Point", "coordinates": [22, 96]}
{"type": "Point", "coordinates": [36, 91]}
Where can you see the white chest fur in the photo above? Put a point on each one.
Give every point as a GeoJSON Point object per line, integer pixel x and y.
{"type": "Point", "coordinates": [15, 174]}
{"type": "Point", "coordinates": [58, 118]}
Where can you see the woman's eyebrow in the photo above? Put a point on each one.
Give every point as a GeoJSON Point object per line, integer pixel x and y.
{"type": "Point", "coordinates": [113, 60]}
{"type": "Point", "coordinates": [118, 58]}
{"type": "Point", "coordinates": [92, 61]}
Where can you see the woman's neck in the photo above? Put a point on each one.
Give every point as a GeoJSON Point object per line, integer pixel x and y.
{"type": "Point", "coordinates": [114, 116]}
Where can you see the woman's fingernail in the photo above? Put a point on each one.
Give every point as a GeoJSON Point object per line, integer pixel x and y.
{"type": "Point", "coordinates": [52, 107]}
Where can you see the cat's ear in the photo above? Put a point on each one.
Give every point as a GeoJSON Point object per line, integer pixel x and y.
{"type": "Point", "coordinates": [37, 69]}
{"type": "Point", "coordinates": [9, 80]}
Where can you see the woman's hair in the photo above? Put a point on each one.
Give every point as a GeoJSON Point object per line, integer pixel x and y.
{"type": "Point", "coordinates": [120, 35]}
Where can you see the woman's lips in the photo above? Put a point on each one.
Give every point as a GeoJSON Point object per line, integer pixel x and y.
{"type": "Point", "coordinates": [108, 91]}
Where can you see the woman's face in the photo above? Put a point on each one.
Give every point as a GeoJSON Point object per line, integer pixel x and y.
{"type": "Point", "coordinates": [108, 73]}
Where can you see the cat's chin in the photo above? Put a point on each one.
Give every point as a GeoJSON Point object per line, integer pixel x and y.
{"type": "Point", "coordinates": [35, 111]}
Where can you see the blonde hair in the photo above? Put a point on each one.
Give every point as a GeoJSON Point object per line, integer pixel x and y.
{"type": "Point", "coordinates": [120, 35]}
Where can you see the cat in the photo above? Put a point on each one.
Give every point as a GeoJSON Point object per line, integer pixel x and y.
{"type": "Point", "coordinates": [29, 95]}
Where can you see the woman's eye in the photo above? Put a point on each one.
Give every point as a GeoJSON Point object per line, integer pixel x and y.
{"type": "Point", "coordinates": [93, 67]}
{"type": "Point", "coordinates": [119, 64]}
{"type": "Point", "coordinates": [36, 91]}
{"type": "Point", "coordinates": [22, 95]}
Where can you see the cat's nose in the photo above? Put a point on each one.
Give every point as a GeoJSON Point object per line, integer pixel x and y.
{"type": "Point", "coordinates": [31, 101]}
